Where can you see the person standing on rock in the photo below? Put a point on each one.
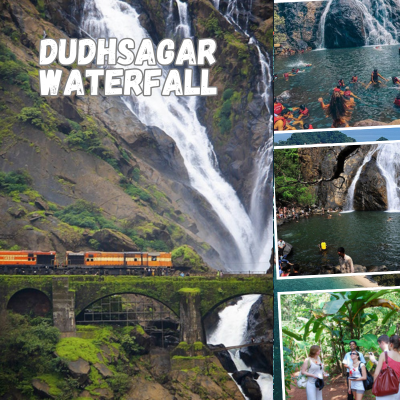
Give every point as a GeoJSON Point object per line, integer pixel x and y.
{"type": "Point", "coordinates": [281, 247]}
{"type": "Point", "coordinates": [345, 261]}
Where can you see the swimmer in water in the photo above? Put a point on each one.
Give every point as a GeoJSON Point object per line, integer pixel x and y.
{"type": "Point", "coordinates": [395, 80]}
{"type": "Point", "coordinates": [349, 96]}
{"type": "Point", "coordinates": [337, 109]}
{"type": "Point", "coordinates": [397, 100]}
{"type": "Point", "coordinates": [281, 124]}
{"type": "Point", "coordinates": [375, 75]}
{"type": "Point", "coordinates": [308, 65]}
{"type": "Point", "coordinates": [389, 219]}
{"type": "Point", "coordinates": [341, 83]}
{"type": "Point", "coordinates": [354, 79]}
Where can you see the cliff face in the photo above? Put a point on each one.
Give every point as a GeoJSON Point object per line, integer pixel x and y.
{"type": "Point", "coordinates": [94, 149]}
{"type": "Point", "coordinates": [298, 23]}
{"type": "Point", "coordinates": [320, 164]}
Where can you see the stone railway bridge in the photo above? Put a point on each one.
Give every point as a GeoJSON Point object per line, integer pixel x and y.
{"type": "Point", "coordinates": [190, 298]}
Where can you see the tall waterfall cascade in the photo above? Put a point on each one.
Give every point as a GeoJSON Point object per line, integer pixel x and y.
{"type": "Point", "coordinates": [376, 17]}
{"type": "Point", "coordinates": [231, 331]}
{"type": "Point", "coordinates": [349, 206]}
{"type": "Point", "coordinates": [173, 115]}
{"type": "Point", "coordinates": [388, 160]}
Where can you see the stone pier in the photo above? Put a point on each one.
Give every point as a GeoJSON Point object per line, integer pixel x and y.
{"type": "Point", "coordinates": [63, 307]}
{"type": "Point", "coordinates": [190, 316]}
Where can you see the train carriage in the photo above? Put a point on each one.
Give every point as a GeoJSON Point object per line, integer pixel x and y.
{"type": "Point", "coordinates": [28, 258]}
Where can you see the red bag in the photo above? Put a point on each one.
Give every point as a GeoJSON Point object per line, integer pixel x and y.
{"type": "Point", "coordinates": [387, 382]}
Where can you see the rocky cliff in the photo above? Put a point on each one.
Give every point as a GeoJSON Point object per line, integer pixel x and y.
{"type": "Point", "coordinates": [332, 170]}
{"type": "Point", "coordinates": [95, 150]}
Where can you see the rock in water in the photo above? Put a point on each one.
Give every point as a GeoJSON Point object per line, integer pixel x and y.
{"type": "Point", "coordinates": [251, 388]}
{"type": "Point", "coordinates": [370, 192]}
{"type": "Point", "coordinates": [344, 25]}
{"type": "Point", "coordinates": [224, 358]}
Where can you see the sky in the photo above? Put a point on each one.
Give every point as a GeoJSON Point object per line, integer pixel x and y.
{"type": "Point", "coordinates": [361, 135]}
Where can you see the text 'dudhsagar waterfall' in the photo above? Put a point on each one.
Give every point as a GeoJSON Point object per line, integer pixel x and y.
{"type": "Point", "coordinates": [178, 119]}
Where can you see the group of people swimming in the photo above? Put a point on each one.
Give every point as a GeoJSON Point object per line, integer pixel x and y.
{"type": "Point", "coordinates": [356, 367]}
{"type": "Point", "coordinates": [340, 106]}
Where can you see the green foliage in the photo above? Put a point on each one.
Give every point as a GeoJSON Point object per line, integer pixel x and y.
{"type": "Point", "coordinates": [288, 186]}
{"type": "Point", "coordinates": [15, 181]}
{"type": "Point", "coordinates": [279, 28]}
{"type": "Point", "coordinates": [228, 93]}
{"type": "Point", "coordinates": [136, 191]}
{"type": "Point", "coordinates": [187, 256]}
{"type": "Point", "coordinates": [332, 320]}
{"type": "Point", "coordinates": [24, 343]}
{"type": "Point", "coordinates": [130, 346]}
{"type": "Point", "coordinates": [312, 137]}
{"type": "Point", "coordinates": [94, 244]}
{"type": "Point", "coordinates": [119, 383]}
{"type": "Point", "coordinates": [73, 348]}
{"type": "Point", "coordinates": [84, 215]}
{"type": "Point", "coordinates": [213, 27]}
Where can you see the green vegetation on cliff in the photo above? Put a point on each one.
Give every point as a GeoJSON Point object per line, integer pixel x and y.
{"type": "Point", "coordinates": [289, 188]}
{"type": "Point", "coordinates": [186, 256]}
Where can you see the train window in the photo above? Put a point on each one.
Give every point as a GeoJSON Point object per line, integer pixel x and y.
{"type": "Point", "coordinates": [30, 255]}
{"type": "Point", "coordinates": [90, 256]}
{"type": "Point", "coordinates": [153, 258]}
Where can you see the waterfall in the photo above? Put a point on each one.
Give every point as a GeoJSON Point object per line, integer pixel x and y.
{"type": "Point", "coordinates": [321, 29]}
{"type": "Point", "coordinates": [231, 331]}
{"type": "Point", "coordinates": [177, 117]}
{"type": "Point", "coordinates": [388, 160]}
{"type": "Point", "coordinates": [378, 27]}
{"type": "Point", "coordinates": [349, 206]}
{"type": "Point", "coordinates": [183, 29]}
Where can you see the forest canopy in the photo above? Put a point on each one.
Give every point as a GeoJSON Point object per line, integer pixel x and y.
{"type": "Point", "coordinates": [299, 138]}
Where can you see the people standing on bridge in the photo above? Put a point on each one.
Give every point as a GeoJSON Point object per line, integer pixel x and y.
{"type": "Point", "coordinates": [345, 261]}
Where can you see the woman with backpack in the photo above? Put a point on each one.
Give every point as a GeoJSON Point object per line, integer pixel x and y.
{"type": "Point", "coordinates": [393, 359]}
{"type": "Point", "coordinates": [313, 369]}
{"type": "Point", "coordinates": [357, 374]}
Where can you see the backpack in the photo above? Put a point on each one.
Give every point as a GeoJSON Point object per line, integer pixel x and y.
{"type": "Point", "coordinates": [369, 382]}
{"type": "Point", "coordinates": [302, 379]}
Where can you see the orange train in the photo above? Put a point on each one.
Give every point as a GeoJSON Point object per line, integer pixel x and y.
{"type": "Point", "coordinates": [86, 259]}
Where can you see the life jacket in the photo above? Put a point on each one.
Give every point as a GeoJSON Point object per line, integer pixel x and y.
{"type": "Point", "coordinates": [276, 119]}
{"type": "Point", "coordinates": [354, 79]}
{"type": "Point", "coordinates": [323, 246]}
{"type": "Point", "coordinates": [336, 89]}
{"type": "Point", "coordinates": [286, 74]}
{"type": "Point", "coordinates": [397, 102]}
{"type": "Point", "coordinates": [278, 108]}
{"type": "Point", "coordinates": [310, 126]}
{"type": "Point", "coordinates": [304, 112]}
{"type": "Point", "coordinates": [347, 93]}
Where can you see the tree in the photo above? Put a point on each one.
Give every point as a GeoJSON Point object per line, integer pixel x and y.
{"type": "Point", "coordinates": [299, 138]}
{"type": "Point", "coordinates": [279, 28]}
{"type": "Point", "coordinates": [381, 139]}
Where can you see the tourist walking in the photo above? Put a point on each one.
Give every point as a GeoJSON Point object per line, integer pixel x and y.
{"type": "Point", "coordinates": [357, 374]}
{"type": "Point", "coordinates": [313, 368]}
{"type": "Point", "coordinates": [346, 262]}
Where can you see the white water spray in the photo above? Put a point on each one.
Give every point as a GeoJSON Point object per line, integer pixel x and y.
{"type": "Point", "coordinates": [349, 206]}
{"type": "Point", "coordinates": [388, 160]}
{"type": "Point", "coordinates": [178, 119]}
{"type": "Point", "coordinates": [321, 29]}
{"type": "Point", "coordinates": [231, 331]}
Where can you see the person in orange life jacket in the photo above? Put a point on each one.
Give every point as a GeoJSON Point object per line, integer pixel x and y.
{"type": "Point", "coordinates": [341, 83]}
{"type": "Point", "coordinates": [348, 95]}
{"type": "Point", "coordinates": [291, 119]}
{"type": "Point", "coordinates": [395, 80]}
{"type": "Point", "coordinates": [397, 100]}
{"type": "Point", "coordinates": [354, 79]}
{"type": "Point", "coordinates": [281, 124]}
{"type": "Point", "coordinates": [278, 107]}
{"type": "Point", "coordinates": [338, 89]}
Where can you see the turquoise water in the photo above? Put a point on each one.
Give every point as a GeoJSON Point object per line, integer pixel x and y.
{"type": "Point", "coordinates": [331, 65]}
{"type": "Point", "coordinates": [366, 236]}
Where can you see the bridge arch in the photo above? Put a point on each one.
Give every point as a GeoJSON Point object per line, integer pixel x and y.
{"type": "Point", "coordinates": [30, 301]}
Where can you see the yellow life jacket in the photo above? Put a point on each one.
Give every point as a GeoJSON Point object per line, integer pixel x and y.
{"type": "Point", "coordinates": [323, 246]}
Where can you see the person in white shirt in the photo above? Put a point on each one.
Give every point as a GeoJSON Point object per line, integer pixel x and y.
{"type": "Point", "coordinates": [348, 363]}
{"type": "Point", "coordinates": [281, 247]}
{"type": "Point", "coordinates": [345, 261]}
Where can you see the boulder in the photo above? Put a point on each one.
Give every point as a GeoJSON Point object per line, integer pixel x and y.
{"type": "Point", "coordinates": [79, 370]}
{"type": "Point", "coordinates": [259, 358]}
{"type": "Point", "coordinates": [143, 389]}
{"type": "Point", "coordinates": [142, 339]}
{"type": "Point", "coordinates": [112, 240]}
{"type": "Point", "coordinates": [370, 192]}
{"type": "Point", "coordinates": [104, 371]}
{"type": "Point", "coordinates": [251, 388]}
{"type": "Point", "coordinates": [42, 389]}
{"type": "Point", "coordinates": [239, 376]}
{"type": "Point", "coordinates": [224, 357]}
{"type": "Point", "coordinates": [41, 204]}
